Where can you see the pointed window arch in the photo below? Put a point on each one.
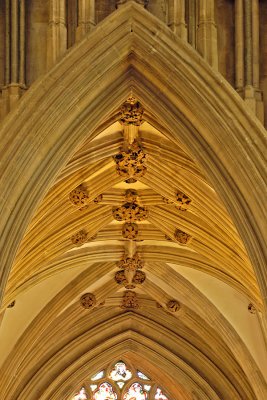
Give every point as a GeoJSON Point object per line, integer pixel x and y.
{"type": "Point", "coordinates": [120, 381]}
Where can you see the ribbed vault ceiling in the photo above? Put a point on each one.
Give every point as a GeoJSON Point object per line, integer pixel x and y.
{"type": "Point", "coordinates": [170, 326]}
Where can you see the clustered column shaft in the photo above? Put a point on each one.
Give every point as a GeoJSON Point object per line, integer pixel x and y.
{"type": "Point", "coordinates": [57, 31]}
{"type": "Point", "coordinates": [176, 18]}
{"type": "Point", "coordinates": [14, 54]}
{"type": "Point", "coordinates": [247, 54]}
{"type": "Point", "coordinates": [86, 17]}
{"type": "Point", "coordinates": [207, 32]}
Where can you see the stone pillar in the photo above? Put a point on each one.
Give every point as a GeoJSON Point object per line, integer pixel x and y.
{"type": "Point", "coordinates": [247, 55]}
{"type": "Point", "coordinates": [207, 33]}
{"type": "Point", "coordinates": [176, 18]}
{"type": "Point", "coordinates": [86, 18]}
{"type": "Point", "coordinates": [57, 31]}
{"type": "Point", "coordinates": [191, 24]}
{"type": "Point", "coordinates": [14, 54]}
{"type": "Point", "coordinates": [239, 44]}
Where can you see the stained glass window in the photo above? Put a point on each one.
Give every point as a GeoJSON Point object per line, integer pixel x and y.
{"type": "Point", "coordinates": [120, 372]}
{"type": "Point", "coordinates": [142, 376]}
{"type": "Point", "coordinates": [82, 395]}
{"type": "Point", "coordinates": [135, 392]}
{"type": "Point", "coordinates": [97, 376]}
{"type": "Point", "coordinates": [159, 395]}
{"type": "Point", "coordinates": [120, 381]}
{"type": "Point", "coordinates": [105, 392]}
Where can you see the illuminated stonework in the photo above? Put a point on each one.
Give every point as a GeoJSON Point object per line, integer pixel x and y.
{"type": "Point", "coordinates": [80, 238]}
{"type": "Point", "coordinates": [98, 199]}
{"type": "Point", "coordinates": [79, 197]}
{"type": "Point", "coordinates": [173, 306]}
{"type": "Point", "coordinates": [130, 231]}
{"type": "Point", "coordinates": [183, 201]}
{"type": "Point", "coordinates": [252, 308]}
{"type": "Point", "coordinates": [131, 263]}
{"type": "Point", "coordinates": [130, 274]}
{"type": "Point", "coordinates": [131, 162]}
{"type": "Point", "coordinates": [182, 237]}
{"type": "Point", "coordinates": [129, 300]}
{"type": "Point", "coordinates": [88, 300]}
{"type": "Point", "coordinates": [130, 211]}
{"type": "Point", "coordinates": [131, 112]}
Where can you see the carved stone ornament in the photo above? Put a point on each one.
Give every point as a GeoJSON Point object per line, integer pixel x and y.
{"type": "Point", "coordinates": [88, 300]}
{"type": "Point", "coordinates": [79, 197]}
{"type": "Point", "coordinates": [130, 230]}
{"type": "Point", "coordinates": [130, 274]}
{"type": "Point", "coordinates": [173, 306]}
{"type": "Point", "coordinates": [139, 277]}
{"type": "Point", "coordinates": [131, 112]}
{"type": "Point", "coordinates": [98, 199]}
{"type": "Point", "coordinates": [130, 180]}
{"type": "Point", "coordinates": [182, 237]}
{"type": "Point", "coordinates": [12, 304]}
{"type": "Point", "coordinates": [131, 163]}
{"type": "Point", "coordinates": [80, 238]}
{"type": "Point", "coordinates": [130, 211]}
{"type": "Point", "coordinates": [131, 263]}
{"type": "Point", "coordinates": [183, 201]}
{"type": "Point", "coordinates": [129, 300]}
{"type": "Point", "coordinates": [120, 278]}
{"type": "Point", "coordinates": [251, 308]}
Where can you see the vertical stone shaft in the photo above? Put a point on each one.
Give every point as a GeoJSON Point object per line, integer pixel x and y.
{"type": "Point", "coordinates": [57, 31]}
{"type": "Point", "coordinates": [176, 18]}
{"type": "Point", "coordinates": [22, 58]}
{"type": "Point", "coordinates": [248, 42]}
{"type": "Point", "coordinates": [192, 22]}
{"type": "Point", "coordinates": [255, 44]}
{"type": "Point", "coordinates": [207, 33]}
{"type": "Point", "coordinates": [86, 17]}
{"type": "Point", "coordinates": [7, 42]}
{"type": "Point", "coordinates": [239, 44]}
{"type": "Point", "coordinates": [14, 41]}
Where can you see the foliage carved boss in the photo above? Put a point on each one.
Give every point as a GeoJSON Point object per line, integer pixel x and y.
{"type": "Point", "coordinates": [130, 211]}
{"type": "Point", "coordinates": [130, 274]}
{"type": "Point", "coordinates": [131, 162]}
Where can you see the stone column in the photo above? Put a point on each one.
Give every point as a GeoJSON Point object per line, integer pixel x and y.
{"type": "Point", "coordinates": [239, 44]}
{"type": "Point", "coordinates": [86, 18]}
{"type": "Point", "coordinates": [191, 24]}
{"type": "Point", "coordinates": [14, 54]}
{"type": "Point", "coordinates": [207, 33]}
{"type": "Point", "coordinates": [247, 55]}
{"type": "Point", "coordinates": [176, 18]}
{"type": "Point", "coordinates": [57, 31]}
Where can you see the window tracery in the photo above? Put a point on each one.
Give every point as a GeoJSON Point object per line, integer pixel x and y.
{"type": "Point", "coordinates": [120, 381]}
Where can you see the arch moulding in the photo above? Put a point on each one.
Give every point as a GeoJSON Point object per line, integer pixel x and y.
{"type": "Point", "coordinates": [132, 50]}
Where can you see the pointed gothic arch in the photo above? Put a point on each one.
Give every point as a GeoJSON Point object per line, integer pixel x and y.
{"type": "Point", "coordinates": [65, 106]}
{"type": "Point", "coordinates": [132, 49]}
